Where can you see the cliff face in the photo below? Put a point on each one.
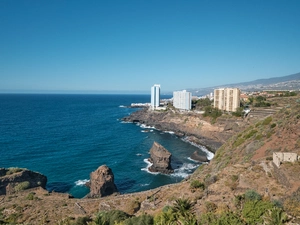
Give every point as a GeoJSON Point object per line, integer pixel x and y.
{"type": "Point", "coordinates": [161, 159]}
{"type": "Point", "coordinates": [102, 182]}
{"type": "Point", "coordinates": [197, 128]}
{"type": "Point", "coordinates": [15, 179]}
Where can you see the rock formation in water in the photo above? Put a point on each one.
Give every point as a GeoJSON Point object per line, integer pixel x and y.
{"type": "Point", "coordinates": [102, 182]}
{"type": "Point", "coordinates": [199, 158]}
{"type": "Point", "coordinates": [16, 179]}
{"type": "Point", "coordinates": [160, 159]}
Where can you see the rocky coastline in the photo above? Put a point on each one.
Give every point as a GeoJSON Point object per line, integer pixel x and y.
{"type": "Point", "coordinates": [191, 126]}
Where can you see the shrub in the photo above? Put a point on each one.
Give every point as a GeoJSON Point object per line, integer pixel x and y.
{"type": "Point", "coordinates": [13, 170]}
{"type": "Point", "coordinates": [238, 142]}
{"type": "Point", "coordinates": [197, 184]}
{"type": "Point", "coordinates": [110, 217]}
{"type": "Point", "coordinates": [142, 219]}
{"type": "Point", "coordinates": [273, 125]}
{"type": "Point", "coordinates": [83, 220]}
{"type": "Point", "coordinates": [267, 121]}
{"type": "Point", "coordinates": [22, 186]}
{"type": "Point", "coordinates": [250, 134]}
{"type": "Point", "coordinates": [254, 210]}
{"type": "Point", "coordinates": [30, 196]}
{"type": "Point", "coordinates": [252, 195]}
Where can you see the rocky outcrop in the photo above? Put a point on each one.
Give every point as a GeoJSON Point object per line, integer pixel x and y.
{"type": "Point", "coordinates": [102, 182]}
{"type": "Point", "coordinates": [16, 179]}
{"type": "Point", "coordinates": [189, 124]}
{"type": "Point", "coordinates": [160, 159]}
{"type": "Point", "coordinates": [200, 158]}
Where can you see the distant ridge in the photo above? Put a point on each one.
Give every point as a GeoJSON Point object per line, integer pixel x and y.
{"type": "Point", "coordinates": [289, 82]}
{"type": "Point", "coordinates": [272, 80]}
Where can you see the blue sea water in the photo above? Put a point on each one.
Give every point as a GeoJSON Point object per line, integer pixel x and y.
{"type": "Point", "coordinates": [66, 137]}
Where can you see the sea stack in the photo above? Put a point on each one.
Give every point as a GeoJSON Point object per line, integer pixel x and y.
{"type": "Point", "coordinates": [160, 159]}
{"type": "Point", "coordinates": [102, 182]}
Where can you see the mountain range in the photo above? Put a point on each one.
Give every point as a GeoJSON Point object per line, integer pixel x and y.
{"type": "Point", "coordinates": [290, 82]}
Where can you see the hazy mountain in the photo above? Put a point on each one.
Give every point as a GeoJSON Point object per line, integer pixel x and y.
{"type": "Point", "coordinates": [290, 82]}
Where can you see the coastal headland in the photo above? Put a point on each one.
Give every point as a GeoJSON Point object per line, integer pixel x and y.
{"type": "Point", "coordinates": [191, 126]}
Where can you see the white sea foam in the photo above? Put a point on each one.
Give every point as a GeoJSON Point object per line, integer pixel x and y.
{"type": "Point", "coordinates": [147, 168]}
{"type": "Point", "coordinates": [209, 154]}
{"type": "Point", "coordinates": [122, 106]}
{"type": "Point", "coordinates": [185, 170]}
{"type": "Point", "coordinates": [189, 158]}
{"type": "Point", "coordinates": [126, 122]}
{"type": "Point", "coordinates": [81, 182]}
{"type": "Point", "coordinates": [144, 126]}
{"type": "Point", "coordinates": [169, 132]}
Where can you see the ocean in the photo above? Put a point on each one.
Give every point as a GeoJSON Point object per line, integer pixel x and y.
{"type": "Point", "coordinates": [66, 137]}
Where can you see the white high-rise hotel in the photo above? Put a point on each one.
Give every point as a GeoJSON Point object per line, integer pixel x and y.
{"type": "Point", "coordinates": [182, 100]}
{"type": "Point", "coordinates": [155, 96]}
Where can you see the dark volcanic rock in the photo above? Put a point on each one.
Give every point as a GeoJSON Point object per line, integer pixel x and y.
{"type": "Point", "coordinates": [102, 182]}
{"type": "Point", "coordinates": [199, 158]}
{"type": "Point", "coordinates": [161, 159]}
{"type": "Point", "coordinates": [17, 179]}
{"type": "Point", "coordinates": [163, 120]}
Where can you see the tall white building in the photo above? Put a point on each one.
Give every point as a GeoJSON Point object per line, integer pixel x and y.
{"type": "Point", "coordinates": [182, 100]}
{"type": "Point", "coordinates": [155, 96]}
{"type": "Point", "coordinates": [227, 99]}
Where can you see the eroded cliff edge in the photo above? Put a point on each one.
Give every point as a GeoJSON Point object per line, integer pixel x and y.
{"type": "Point", "coordinates": [191, 125]}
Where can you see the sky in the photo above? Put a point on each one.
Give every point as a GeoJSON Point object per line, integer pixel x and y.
{"type": "Point", "coordinates": [95, 46]}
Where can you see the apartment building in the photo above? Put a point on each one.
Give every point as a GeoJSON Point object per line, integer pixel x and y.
{"type": "Point", "coordinates": [227, 99]}
{"type": "Point", "coordinates": [182, 100]}
{"type": "Point", "coordinates": [155, 96]}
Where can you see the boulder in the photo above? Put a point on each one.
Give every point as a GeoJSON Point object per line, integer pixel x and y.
{"type": "Point", "coordinates": [200, 158]}
{"type": "Point", "coordinates": [16, 179]}
{"type": "Point", "coordinates": [160, 159]}
{"type": "Point", "coordinates": [102, 182]}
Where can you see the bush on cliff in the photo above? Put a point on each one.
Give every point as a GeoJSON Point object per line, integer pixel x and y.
{"type": "Point", "coordinates": [13, 170]}
{"type": "Point", "coordinates": [22, 186]}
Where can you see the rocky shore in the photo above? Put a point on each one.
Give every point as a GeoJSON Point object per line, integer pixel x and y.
{"type": "Point", "coordinates": [193, 126]}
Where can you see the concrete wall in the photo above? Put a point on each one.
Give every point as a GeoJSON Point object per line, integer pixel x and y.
{"type": "Point", "coordinates": [279, 157]}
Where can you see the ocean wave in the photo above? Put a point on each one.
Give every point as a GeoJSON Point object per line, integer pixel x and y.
{"type": "Point", "coordinates": [146, 127]}
{"type": "Point", "coordinates": [81, 182]}
{"type": "Point", "coordinates": [122, 106]}
{"type": "Point", "coordinates": [185, 170]}
{"type": "Point", "coordinates": [209, 154]}
{"type": "Point", "coordinates": [169, 132]}
{"type": "Point", "coordinates": [147, 168]}
{"type": "Point", "coordinates": [189, 158]}
{"type": "Point", "coordinates": [126, 121]}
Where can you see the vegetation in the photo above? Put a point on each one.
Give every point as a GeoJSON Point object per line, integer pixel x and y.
{"type": "Point", "coordinates": [13, 170]}
{"type": "Point", "coordinates": [201, 103]}
{"type": "Point", "coordinates": [22, 186]}
{"type": "Point", "coordinates": [196, 184]}
{"type": "Point", "coordinates": [212, 112]}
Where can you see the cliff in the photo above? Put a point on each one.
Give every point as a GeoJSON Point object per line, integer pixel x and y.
{"type": "Point", "coordinates": [16, 179]}
{"type": "Point", "coordinates": [193, 125]}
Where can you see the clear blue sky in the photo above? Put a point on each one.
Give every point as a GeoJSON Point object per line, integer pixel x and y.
{"type": "Point", "coordinates": [84, 46]}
